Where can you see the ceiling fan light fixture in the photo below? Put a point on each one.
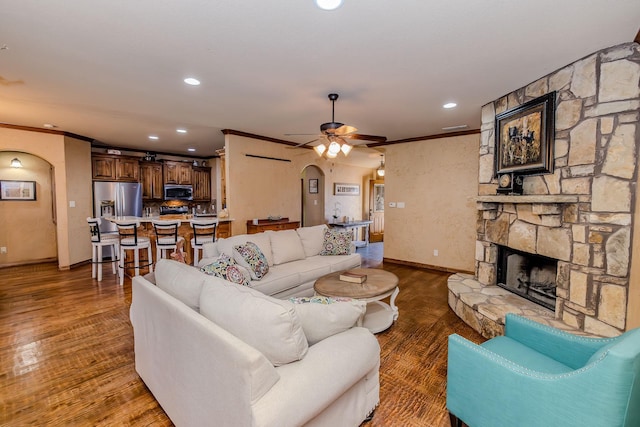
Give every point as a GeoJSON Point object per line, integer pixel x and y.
{"type": "Point", "coordinates": [328, 4]}
{"type": "Point", "coordinates": [346, 149]}
{"type": "Point", "coordinates": [331, 156]}
{"type": "Point", "coordinates": [320, 148]}
{"type": "Point", "coordinates": [334, 148]}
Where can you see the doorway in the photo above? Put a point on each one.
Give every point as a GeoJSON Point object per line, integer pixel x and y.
{"type": "Point", "coordinates": [376, 210]}
{"type": "Point", "coordinates": [312, 196]}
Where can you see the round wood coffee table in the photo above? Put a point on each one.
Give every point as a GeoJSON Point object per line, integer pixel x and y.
{"type": "Point", "coordinates": [379, 285]}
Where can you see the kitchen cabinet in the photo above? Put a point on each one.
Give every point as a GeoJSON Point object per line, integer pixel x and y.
{"type": "Point", "coordinates": [177, 173]}
{"type": "Point", "coordinates": [151, 180]}
{"type": "Point", "coordinates": [115, 168]}
{"type": "Point", "coordinates": [201, 184]}
{"type": "Point", "coordinates": [224, 230]}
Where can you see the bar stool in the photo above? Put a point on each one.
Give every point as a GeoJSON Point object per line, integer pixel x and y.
{"type": "Point", "coordinates": [204, 231]}
{"type": "Point", "coordinates": [130, 241]}
{"type": "Point", "coordinates": [166, 236]}
{"type": "Point", "coordinates": [98, 241]}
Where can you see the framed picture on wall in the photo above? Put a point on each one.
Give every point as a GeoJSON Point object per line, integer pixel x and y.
{"type": "Point", "coordinates": [525, 137]}
{"type": "Point", "coordinates": [17, 190]}
{"type": "Point", "coordinates": [313, 186]}
{"type": "Point", "coordinates": [341, 189]}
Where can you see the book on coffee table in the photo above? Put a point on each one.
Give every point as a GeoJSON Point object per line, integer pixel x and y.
{"type": "Point", "coordinates": [351, 277]}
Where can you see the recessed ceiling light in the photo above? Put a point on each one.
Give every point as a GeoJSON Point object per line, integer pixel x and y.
{"type": "Point", "coordinates": [181, 130]}
{"type": "Point", "coordinates": [154, 137]}
{"type": "Point", "coordinates": [328, 4]}
{"type": "Point", "coordinates": [449, 105]}
{"type": "Point", "coordinates": [191, 149]}
{"type": "Point", "coordinates": [191, 81]}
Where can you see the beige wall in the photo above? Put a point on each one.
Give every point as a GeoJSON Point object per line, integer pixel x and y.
{"type": "Point", "coordinates": [633, 302]}
{"type": "Point", "coordinates": [257, 188]}
{"type": "Point", "coordinates": [70, 159]}
{"type": "Point", "coordinates": [313, 202]}
{"type": "Point", "coordinates": [437, 180]}
{"type": "Point", "coordinates": [27, 228]}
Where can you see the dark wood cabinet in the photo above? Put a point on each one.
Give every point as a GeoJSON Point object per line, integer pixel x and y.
{"type": "Point", "coordinates": [224, 230]}
{"type": "Point", "coordinates": [177, 173]}
{"type": "Point", "coordinates": [115, 168]}
{"type": "Point", "coordinates": [151, 180]}
{"type": "Point", "coordinates": [273, 225]}
{"type": "Point", "coordinates": [201, 184]}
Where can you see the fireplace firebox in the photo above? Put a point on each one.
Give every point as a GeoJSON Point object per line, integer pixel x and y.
{"type": "Point", "coordinates": [528, 275]}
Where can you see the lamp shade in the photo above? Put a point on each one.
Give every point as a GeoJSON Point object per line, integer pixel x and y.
{"type": "Point", "coordinates": [346, 149]}
{"type": "Point", "coordinates": [16, 163]}
{"type": "Point", "coordinates": [380, 170]}
{"type": "Point", "coordinates": [320, 148]}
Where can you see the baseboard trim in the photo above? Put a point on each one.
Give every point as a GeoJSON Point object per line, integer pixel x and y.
{"type": "Point", "coordinates": [425, 266]}
{"type": "Point", "coordinates": [35, 261]}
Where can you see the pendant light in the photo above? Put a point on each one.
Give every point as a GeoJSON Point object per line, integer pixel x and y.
{"type": "Point", "coordinates": [16, 163]}
{"type": "Point", "coordinates": [380, 170]}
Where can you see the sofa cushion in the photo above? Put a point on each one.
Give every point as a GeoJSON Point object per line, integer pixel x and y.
{"type": "Point", "coordinates": [269, 325]}
{"type": "Point", "coordinates": [226, 268]}
{"type": "Point", "coordinates": [286, 246]}
{"type": "Point", "coordinates": [180, 280]}
{"type": "Point", "coordinates": [281, 277]}
{"type": "Point", "coordinates": [312, 239]}
{"type": "Point", "coordinates": [337, 242]}
{"type": "Point", "coordinates": [261, 239]}
{"type": "Point", "coordinates": [251, 257]}
{"type": "Point", "coordinates": [323, 316]}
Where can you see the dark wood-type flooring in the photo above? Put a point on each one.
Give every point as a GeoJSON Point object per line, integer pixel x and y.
{"type": "Point", "coordinates": [66, 350]}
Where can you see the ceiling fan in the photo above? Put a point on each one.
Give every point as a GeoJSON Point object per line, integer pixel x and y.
{"type": "Point", "coordinates": [334, 136]}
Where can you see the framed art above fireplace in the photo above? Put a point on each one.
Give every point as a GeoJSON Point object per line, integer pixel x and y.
{"type": "Point", "coordinates": [525, 137]}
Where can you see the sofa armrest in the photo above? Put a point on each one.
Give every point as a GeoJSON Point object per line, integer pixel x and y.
{"type": "Point", "coordinates": [195, 369]}
{"type": "Point", "coordinates": [568, 349]}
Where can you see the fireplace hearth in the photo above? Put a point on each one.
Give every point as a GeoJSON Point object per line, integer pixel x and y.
{"type": "Point", "coordinates": [531, 276]}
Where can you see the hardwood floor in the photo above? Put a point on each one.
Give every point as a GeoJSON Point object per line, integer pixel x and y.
{"type": "Point", "coordinates": [66, 350]}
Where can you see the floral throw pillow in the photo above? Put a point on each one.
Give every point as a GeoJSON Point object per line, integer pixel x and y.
{"type": "Point", "coordinates": [251, 257]}
{"type": "Point", "coordinates": [226, 268]}
{"type": "Point", "coordinates": [337, 242]}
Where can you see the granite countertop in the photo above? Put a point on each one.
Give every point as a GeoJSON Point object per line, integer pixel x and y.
{"type": "Point", "coordinates": [181, 217]}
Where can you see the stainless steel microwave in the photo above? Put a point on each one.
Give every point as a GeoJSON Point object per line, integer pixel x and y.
{"type": "Point", "coordinates": [178, 192]}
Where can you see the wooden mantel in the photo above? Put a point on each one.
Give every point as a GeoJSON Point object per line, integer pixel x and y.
{"type": "Point", "coordinates": [534, 198]}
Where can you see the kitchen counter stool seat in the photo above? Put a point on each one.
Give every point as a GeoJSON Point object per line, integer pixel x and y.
{"type": "Point", "coordinates": [130, 241]}
{"type": "Point", "coordinates": [98, 241]}
{"type": "Point", "coordinates": [204, 231]}
{"type": "Point", "coordinates": [166, 236]}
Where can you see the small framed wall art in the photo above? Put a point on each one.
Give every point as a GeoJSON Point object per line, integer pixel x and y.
{"type": "Point", "coordinates": [341, 189]}
{"type": "Point", "coordinates": [18, 190]}
{"type": "Point", "coordinates": [525, 137]}
{"type": "Point", "coordinates": [313, 186]}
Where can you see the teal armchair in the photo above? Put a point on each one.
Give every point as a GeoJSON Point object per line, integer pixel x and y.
{"type": "Point", "coordinates": [536, 375]}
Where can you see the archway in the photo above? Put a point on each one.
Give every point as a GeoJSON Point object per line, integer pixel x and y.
{"type": "Point", "coordinates": [28, 226]}
{"type": "Point", "coordinates": [312, 204]}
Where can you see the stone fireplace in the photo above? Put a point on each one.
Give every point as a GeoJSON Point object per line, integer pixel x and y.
{"type": "Point", "coordinates": [531, 276]}
{"type": "Point", "coordinates": [580, 216]}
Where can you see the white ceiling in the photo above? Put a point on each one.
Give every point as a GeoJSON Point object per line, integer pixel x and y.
{"type": "Point", "coordinates": [113, 70]}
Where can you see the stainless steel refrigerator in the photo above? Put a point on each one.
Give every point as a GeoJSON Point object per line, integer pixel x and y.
{"type": "Point", "coordinates": [116, 199]}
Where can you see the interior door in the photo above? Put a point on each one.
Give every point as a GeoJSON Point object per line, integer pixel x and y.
{"type": "Point", "coordinates": [376, 210]}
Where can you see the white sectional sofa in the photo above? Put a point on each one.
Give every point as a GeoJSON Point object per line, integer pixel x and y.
{"type": "Point", "coordinates": [293, 256]}
{"type": "Point", "coordinates": [215, 353]}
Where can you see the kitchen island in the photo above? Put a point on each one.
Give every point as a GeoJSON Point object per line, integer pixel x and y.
{"type": "Point", "coordinates": [185, 230]}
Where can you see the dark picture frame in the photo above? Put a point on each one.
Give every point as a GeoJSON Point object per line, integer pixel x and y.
{"type": "Point", "coordinates": [313, 186]}
{"type": "Point", "coordinates": [524, 137]}
{"type": "Point", "coordinates": [17, 190]}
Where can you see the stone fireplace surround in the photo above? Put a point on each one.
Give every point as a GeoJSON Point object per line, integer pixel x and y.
{"type": "Point", "coordinates": [581, 214]}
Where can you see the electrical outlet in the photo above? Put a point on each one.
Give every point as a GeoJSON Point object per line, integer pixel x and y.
{"type": "Point", "coordinates": [392, 204]}
{"type": "Point", "coordinates": [435, 252]}
{"type": "Point", "coordinates": [3, 250]}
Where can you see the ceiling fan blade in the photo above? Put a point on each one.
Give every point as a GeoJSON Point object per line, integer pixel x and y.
{"type": "Point", "coordinates": [304, 143]}
{"type": "Point", "coordinates": [345, 130]}
{"type": "Point", "coordinates": [374, 138]}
